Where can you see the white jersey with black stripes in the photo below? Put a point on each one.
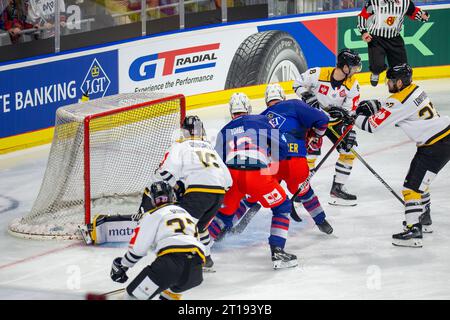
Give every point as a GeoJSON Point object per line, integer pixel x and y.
{"type": "Point", "coordinates": [196, 164]}
{"type": "Point", "coordinates": [167, 229]}
{"type": "Point", "coordinates": [411, 110]}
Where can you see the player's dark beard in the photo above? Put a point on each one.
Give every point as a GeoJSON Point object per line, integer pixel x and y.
{"type": "Point", "coordinates": [394, 88]}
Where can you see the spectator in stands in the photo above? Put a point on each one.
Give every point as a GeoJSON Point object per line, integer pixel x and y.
{"type": "Point", "coordinates": [41, 13]}
{"type": "Point", "coordinates": [13, 19]}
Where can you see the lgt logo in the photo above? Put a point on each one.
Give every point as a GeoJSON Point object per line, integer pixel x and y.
{"type": "Point", "coordinates": [275, 120]}
{"type": "Point", "coordinates": [96, 81]}
{"type": "Point", "coordinates": [144, 68]}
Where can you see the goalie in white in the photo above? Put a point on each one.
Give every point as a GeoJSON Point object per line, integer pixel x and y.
{"type": "Point", "coordinates": [198, 175]}
{"type": "Point", "coordinates": [171, 232]}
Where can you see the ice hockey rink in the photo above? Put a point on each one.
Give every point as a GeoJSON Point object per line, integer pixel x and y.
{"type": "Point", "coordinates": [357, 261]}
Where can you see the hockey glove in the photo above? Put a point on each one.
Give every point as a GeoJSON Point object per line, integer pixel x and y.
{"type": "Point", "coordinates": [341, 114]}
{"type": "Point", "coordinates": [368, 108]}
{"type": "Point", "coordinates": [118, 271]}
{"type": "Point", "coordinates": [349, 141]}
{"type": "Point", "coordinates": [313, 141]}
{"type": "Point", "coordinates": [179, 190]}
{"type": "Point", "coordinates": [310, 99]}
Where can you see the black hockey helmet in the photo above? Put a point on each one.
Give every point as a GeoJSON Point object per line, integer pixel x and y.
{"type": "Point", "coordinates": [160, 193]}
{"type": "Point", "coordinates": [350, 58]}
{"type": "Point", "coordinates": [400, 72]}
{"type": "Point", "coordinates": [193, 127]}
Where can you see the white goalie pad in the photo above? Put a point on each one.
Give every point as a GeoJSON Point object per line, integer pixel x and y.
{"type": "Point", "coordinates": [108, 228]}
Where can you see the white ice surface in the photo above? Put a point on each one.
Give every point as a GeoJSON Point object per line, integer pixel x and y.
{"type": "Point", "coordinates": [357, 261]}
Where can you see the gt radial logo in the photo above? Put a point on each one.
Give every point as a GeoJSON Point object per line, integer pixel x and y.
{"type": "Point", "coordinates": [174, 61]}
{"type": "Point", "coordinates": [96, 81]}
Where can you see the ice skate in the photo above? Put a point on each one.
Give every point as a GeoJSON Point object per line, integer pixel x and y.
{"type": "Point", "coordinates": [340, 197]}
{"type": "Point", "coordinates": [282, 259]}
{"type": "Point", "coordinates": [412, 237]}
{"type": "Point", "coordinates": [325, 227]}
{"type": "Point", "coordinates": [208, 267]}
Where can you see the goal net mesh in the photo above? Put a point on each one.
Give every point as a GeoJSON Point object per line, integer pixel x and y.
{"type": "Point", "coordinates": [117, 142]}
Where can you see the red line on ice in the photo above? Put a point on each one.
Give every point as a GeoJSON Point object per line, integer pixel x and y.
{"type": "Point", "coordinates": [38, 256]}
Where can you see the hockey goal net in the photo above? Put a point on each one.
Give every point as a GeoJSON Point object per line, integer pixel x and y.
{"type": "Point", "coordinates": [104, 153]}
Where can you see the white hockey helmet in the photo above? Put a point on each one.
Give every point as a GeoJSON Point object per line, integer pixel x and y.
{"type": "Point", "coordinates": [240, 103]}
{"type": "Point", "coordinates": [274, 92]}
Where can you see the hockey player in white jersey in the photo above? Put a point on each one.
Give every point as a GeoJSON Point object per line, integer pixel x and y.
{"type": "Point", "coordinates": [411, 109]}
{"type": "Point", "coordinates": [198, 175]}
{"type": "Point", "coordinates": [334, 87]}
{"type": "Point", "coordinates": [171, 232]}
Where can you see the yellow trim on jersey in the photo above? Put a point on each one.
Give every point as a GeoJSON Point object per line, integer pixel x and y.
{"type": "Point", "coordinates": [205, 190]}
{"type": "Point", "coordinates": [439, 137]}
{"type": "Point", "coordinates": [403, 95]}
{"type": "Point", "coordinates": [187, 250]}
{"type": "Point", "coordinates": [349, 82]}
{"type": "Point", "coordinates": [325, 74]}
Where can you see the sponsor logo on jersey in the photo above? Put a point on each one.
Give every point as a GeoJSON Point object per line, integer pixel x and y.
{"type": "Point", "coordinates": [174, 61]}
{"type": "Point", "coordinates": [342, 93]}
{"type": "Point", "coordinates": [323, 89]}
{"type": "Point", "coordinates": [378, 118]}
{"type": "Point", "coordinates": [275, 120]}
{"type": "Point", "coordinates": [273, 197]}
{"type": "Point", "coordinates": [390, 21]}
{"type": "Point", "coordinates": [96, 81]}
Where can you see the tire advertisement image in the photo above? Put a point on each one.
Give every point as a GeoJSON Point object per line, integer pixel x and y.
{"type": "Point", "coordinates": [266, 57]}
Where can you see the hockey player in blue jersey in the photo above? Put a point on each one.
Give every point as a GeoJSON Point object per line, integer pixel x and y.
{"type": "Point", "coordinates": [251, 148]}
{"type": "Point", "coordinates": [303, 126]}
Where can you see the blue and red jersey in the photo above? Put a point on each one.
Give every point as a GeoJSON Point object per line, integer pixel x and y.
{"type": "Point", "coordinates": [294, 118]}
{"type": "Point", "coordinates": [249, 141]}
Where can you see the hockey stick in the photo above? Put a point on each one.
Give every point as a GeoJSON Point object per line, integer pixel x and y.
{"type": "Point", "coordinates": [360, 158]}
{"type": "Point", "coordinates": [294, 214]}
{"type": "Point", "coordinates": [114, 292]}
{"type": "Point", "coordinates": [245, 220]}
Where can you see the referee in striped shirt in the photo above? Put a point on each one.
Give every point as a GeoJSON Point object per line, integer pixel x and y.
{"type": "Point", "coordinates": [380, 23]}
